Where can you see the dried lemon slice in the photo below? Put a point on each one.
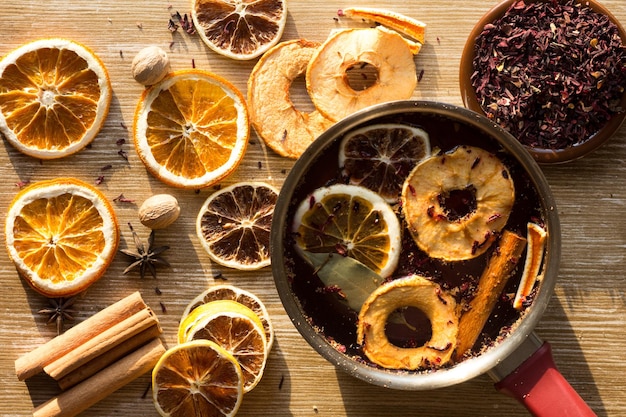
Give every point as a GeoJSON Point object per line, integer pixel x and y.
{"type": "Point", "coordinates": [234, 224]}
{"type": "Point", "coordinates": [231, 292]}
{"type": "Point", "coordinates": [386, 51]}
{"type": "Point", "coordinates": [54, 97]}
{"type": "Point", "coordinates": [352, 221]}
{"type": "Point", "coordinates": [191, 129]}
{"type": "Point", "coordinates": [235, 328]}
{"type": "Point", "coordinates": [381, 156]}
{"type": "Point", "coordinates": [197, 378]}
{"type": "Point", "coordinates": [62, 234]}
{"type": "Point", "coordinates": [240, 29]}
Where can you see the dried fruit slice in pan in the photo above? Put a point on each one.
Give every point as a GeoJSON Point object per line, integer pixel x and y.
{"type": "Point", "coordinates": [381, 156]}
{"type": "Point", "coordinates": [456, 203]}
{"type": "Point", "coordinates": [352, 221]}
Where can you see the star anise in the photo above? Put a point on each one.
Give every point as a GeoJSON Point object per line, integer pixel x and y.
{"type": "Point", "coordinates": [146, 258]}
{"type": "Point", "coordinates": [59, 311]}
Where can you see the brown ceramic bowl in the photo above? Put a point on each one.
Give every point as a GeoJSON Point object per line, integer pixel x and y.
{"type": "Point", "coordinates": [541, 155]}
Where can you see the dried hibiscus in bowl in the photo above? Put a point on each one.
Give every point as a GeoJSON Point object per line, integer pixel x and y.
{"type": "Point", "coordinates": [552, 73]}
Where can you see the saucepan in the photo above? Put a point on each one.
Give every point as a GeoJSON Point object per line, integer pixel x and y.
{"type": "Point", "coordinates": [519, 362]}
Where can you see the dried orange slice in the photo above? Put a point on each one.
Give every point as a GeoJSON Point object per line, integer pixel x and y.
{"type": "Point", "coordinates": [386, 51]}
{"type": "Point", "coordinates": [381, 156]}
{"type": "Point", "coordinates": [352, 221]}
{"type": "Point", "coordinates": [62, 234]}
{"type": "Point", "coordinates": [234, 327]}
{"type": "Point", "coordinates": [54, 97]}
{"type": "Point", "coordinates": [191, 129]}
{"type": "Point", "coordinates": [241, 29]}
{"type": "Point", "coordinates": [197, 378]}
{"type": "Point", "coordinates": [231, 292]}
{"type": "Point", "coordinates": [404, 24]}
{"type": "Point", "coordinates": [234, 223]}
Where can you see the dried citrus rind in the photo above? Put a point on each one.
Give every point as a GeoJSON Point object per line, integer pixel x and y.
{"type": "Point", "coordinates": [350, 220]}
{"type": "Point", "coordinates": [234, 223]}
{"type": "Point", "coordinates": [386, 51]}
{"type": "Point", "coordinates": [393, 20]}
{"type": "Point", "coordinates": [275, 118]}
{"type": "Point", "coordinates": [536, 238]}
{"type": "Point", "coordinates": [62, 234]}
{"type": "Point", "coordinates": [242, 29]}
{"type": "Point", "coordinates": [381, 156]}
{"type": "Point", "coordinates": [54, 97]}
{"type": "Point", "coordinates": [413, 291]}
{"type": "Point", "coordinates": [191, 129]}
{"type": "Point", "coordinates": [469, 232]}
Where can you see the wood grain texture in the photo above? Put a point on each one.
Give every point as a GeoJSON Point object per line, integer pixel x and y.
{"type": "Point", "coordinates": [585, 319]}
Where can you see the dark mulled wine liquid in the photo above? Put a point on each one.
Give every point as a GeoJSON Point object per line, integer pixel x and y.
{"type": "Point", "coordinates": [337, 322]}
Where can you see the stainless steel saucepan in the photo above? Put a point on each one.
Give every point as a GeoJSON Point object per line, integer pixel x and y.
{"type": "Point", "coordinates": [521, 364]}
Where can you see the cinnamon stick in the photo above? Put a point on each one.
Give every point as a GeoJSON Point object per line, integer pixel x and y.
{"type": "Point", "coordinates": [87, 393]}
{"type": "Point", "coordinates": [92, 349]}
{"type": "Point", "coordinates": [33, 362]}
{"type": "Point", "coordinates": [490, 286]}
{"type": "Point", "coordinates": [107, 358]}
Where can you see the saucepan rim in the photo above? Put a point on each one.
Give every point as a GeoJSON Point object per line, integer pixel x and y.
{"type": "Point", "coordinates": [469, 368]}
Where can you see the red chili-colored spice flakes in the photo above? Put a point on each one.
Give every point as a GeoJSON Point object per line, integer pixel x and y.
{"type": "Point", "coordinates": [552, 73]}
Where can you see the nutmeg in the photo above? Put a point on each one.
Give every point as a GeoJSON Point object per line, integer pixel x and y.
{"type": "Point", "coordinates": [150, 65]}
{"type": "Point", "coordinates": [159, 211]}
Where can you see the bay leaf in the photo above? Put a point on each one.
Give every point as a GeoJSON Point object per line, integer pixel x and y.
{"type": "Point", "coordinates": [355, 279]}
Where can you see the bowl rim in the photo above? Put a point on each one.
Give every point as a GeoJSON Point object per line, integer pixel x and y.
{"type": "Point", "coordinates": [469, 368]}
{"type": "Point", "coordinates": [541, 155]}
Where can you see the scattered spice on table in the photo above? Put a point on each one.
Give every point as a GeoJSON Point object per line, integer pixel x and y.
{"type": "Point", "coordinates": [551, 73]}
{"type": "Point", "coordinates": [146, 257]}
{"type": "Point", "coordinates": [59, 311]}
{"type": "Point", "coordinates": [121, 199]}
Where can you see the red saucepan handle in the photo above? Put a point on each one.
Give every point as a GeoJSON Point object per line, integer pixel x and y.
{"type": "Point", "coordinates": [540, 387]}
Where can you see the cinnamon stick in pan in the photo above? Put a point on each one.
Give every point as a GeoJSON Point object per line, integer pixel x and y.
{"type": "Point", "coordinates": [490, 286]}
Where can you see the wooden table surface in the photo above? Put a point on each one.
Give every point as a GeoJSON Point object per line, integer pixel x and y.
{"type": "Point", "coordinates": [585, 319]}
